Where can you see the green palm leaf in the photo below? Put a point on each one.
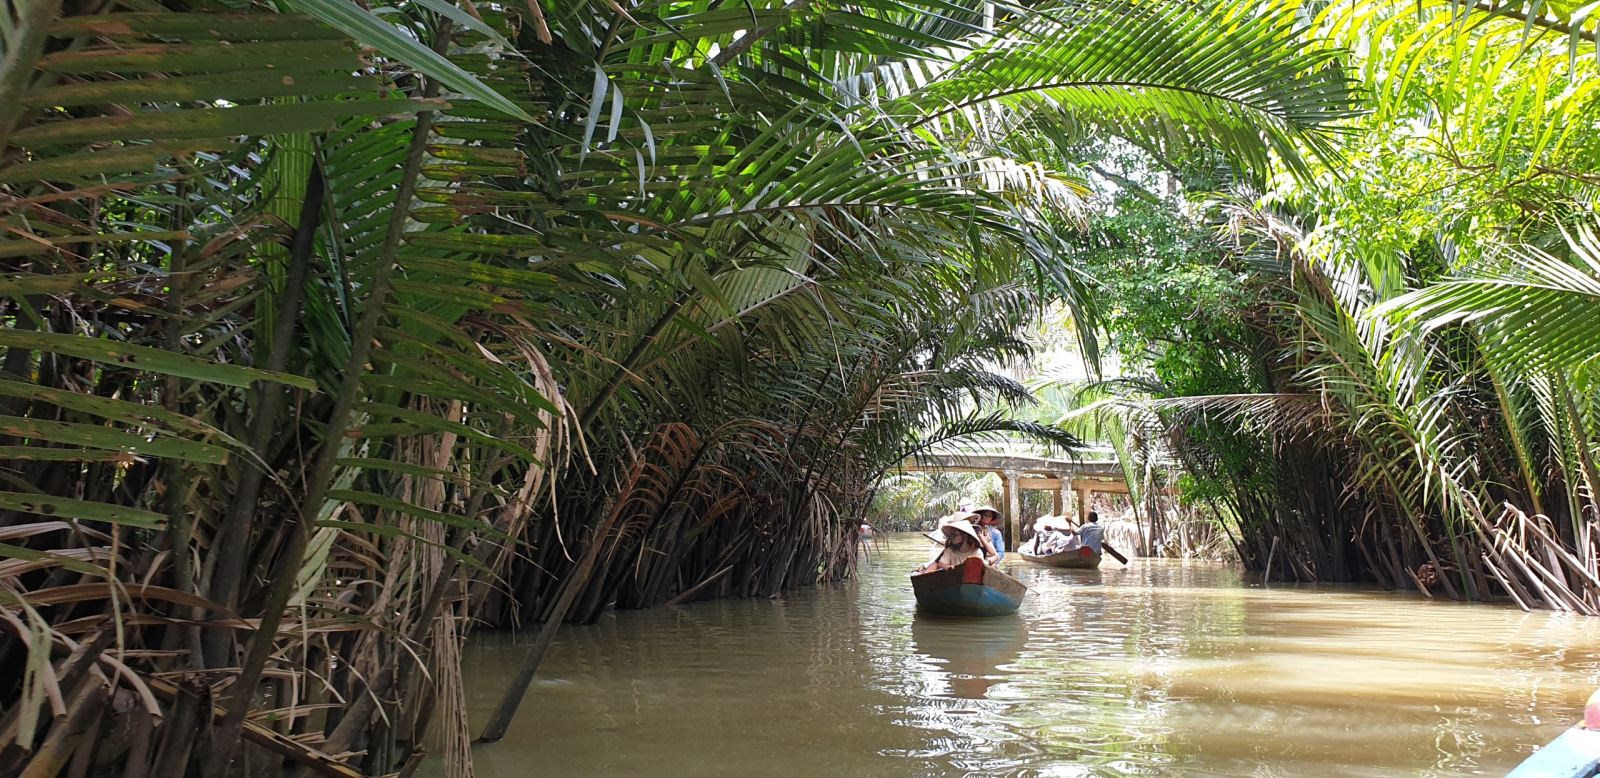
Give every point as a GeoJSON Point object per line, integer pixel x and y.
{"type": "Point", "coordinates": [1532, 307]}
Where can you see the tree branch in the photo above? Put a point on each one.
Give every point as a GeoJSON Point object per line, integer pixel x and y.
{"type": "Point", "coordinates": [743, 45]}
{"type": "Point", "coordinates": [1540, 21]}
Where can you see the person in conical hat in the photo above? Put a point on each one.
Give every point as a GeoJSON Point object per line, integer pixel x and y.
{"type": "Point", "coordinates": [1052, 535]}
{"type": "Point", "coordinates": [961, 540]}
{"type": "Point", "coordinates": [989, 526]}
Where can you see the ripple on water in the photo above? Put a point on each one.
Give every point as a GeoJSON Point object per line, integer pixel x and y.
{"type": "Point", "coordinates": [1158, 668]}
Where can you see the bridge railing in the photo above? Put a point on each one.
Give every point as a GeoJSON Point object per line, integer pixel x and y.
{"type": "Point", "coordinates": [1098, 459]}
{"type": "Point", "coordinates": [1033, 452]}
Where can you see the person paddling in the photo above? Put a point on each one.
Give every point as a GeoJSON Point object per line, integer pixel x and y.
{"type": "Point", "coordinates": [1091, 533]}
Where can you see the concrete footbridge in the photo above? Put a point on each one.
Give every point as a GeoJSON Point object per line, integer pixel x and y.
{"type": "Point", "coordinates": [1097, 470]}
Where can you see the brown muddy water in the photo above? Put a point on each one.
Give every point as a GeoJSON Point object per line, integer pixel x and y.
{"type": "Point", "coordinates": [1158, 668]}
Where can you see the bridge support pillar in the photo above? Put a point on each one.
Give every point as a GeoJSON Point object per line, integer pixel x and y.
{"type": "Point", "coordinates": [1062, 500]}
{"type": "Point", "coordinates": [1058, 500]}
{"type": "Point", "coordinates": [1013, 495]}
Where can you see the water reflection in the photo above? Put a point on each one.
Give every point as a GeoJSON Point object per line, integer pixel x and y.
{"type": "Point", "coordinates": [1153, 669]}
{"type": "Point", "coordinates": [967, 656]}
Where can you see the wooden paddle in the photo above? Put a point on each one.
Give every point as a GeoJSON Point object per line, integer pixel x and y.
{"type": "Point", "coordinates": [1106, 547]}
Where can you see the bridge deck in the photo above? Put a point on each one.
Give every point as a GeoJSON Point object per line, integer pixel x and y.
{"type": "Point", "coordinates": [1020, 463]}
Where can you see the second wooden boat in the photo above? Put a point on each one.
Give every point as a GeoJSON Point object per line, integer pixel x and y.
{"type": "Point", "coordinates": [1082, 558]}
{"type": "Point", "coordinates": [968, 589]}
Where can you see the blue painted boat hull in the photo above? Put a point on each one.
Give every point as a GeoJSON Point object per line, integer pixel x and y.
{"type": "Point", "coordinates": [971, 589]}
{"type": "Point", "coordinates": [969, 600]}
{"type": "Point", "coordinates": [1576, 754]}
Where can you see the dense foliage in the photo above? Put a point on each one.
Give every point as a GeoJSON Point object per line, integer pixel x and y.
{"type": "Point", "coordinates": [1417, 323]}
{"type": "Point", "coordinates": [331, 328]}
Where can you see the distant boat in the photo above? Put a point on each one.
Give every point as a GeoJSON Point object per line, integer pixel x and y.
{"type": "Point", "coordinates": [1082, 558]}
{"type": "Point", "coordinates": [968, 589]}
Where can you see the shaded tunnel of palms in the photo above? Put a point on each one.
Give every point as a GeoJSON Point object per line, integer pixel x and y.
{"type": "Point", "coordinates": [334, 333]}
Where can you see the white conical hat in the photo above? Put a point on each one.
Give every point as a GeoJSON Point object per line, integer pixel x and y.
{"type": "Point", "coordinates": [959, 523]}
{"type": "Point", "coordinates": [1051, 522]}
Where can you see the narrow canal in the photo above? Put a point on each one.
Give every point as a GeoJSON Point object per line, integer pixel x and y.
{"type": "Point", "coordinates": [1161, 668]}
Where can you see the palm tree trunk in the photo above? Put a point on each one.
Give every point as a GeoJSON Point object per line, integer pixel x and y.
{"type": "Point", "coordinates": [226, 737]}
{"type": "Point", "coordinates": [230, 554]}
{"type": "Point", "coordinates": [500, 720]}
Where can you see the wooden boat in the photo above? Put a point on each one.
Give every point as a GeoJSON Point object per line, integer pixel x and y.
{"type": "Point", "coordinates": [1082, 558]}
{"type": "Point", "coordinates": [968, 589]}
{"type": "Point", "coordinates": [1575, 754]}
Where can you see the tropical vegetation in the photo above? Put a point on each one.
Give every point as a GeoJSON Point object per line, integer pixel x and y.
{"type": "Point", "coordinates": [1385, 371]}
{"type": "Point", "coordinates": [333, 330]}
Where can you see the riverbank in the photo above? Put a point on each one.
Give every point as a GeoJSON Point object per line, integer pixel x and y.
{"type": "Point", "coordinates": [1151, 669]}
